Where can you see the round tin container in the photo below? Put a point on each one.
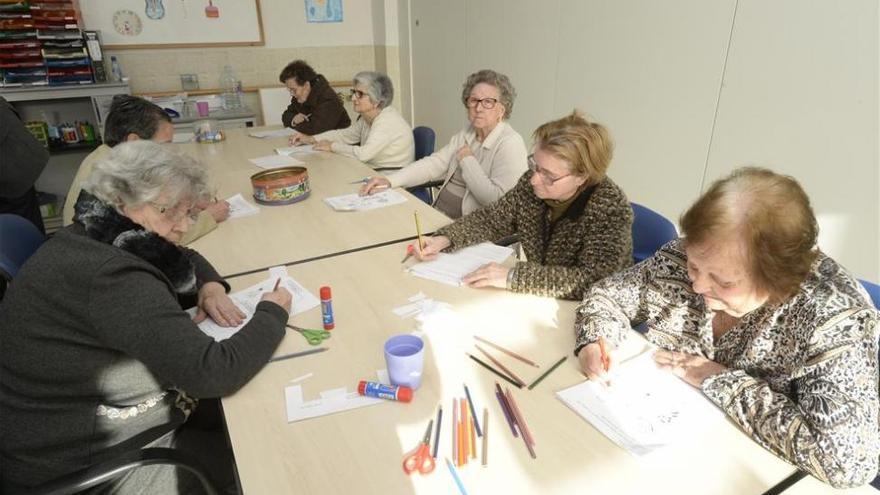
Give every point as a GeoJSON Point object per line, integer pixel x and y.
{"type": "Point", "coordinates": [281, 186]}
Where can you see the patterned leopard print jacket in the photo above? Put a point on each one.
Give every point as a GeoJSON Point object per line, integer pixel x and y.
{"type": "Point", "coordinates": [802, 378]}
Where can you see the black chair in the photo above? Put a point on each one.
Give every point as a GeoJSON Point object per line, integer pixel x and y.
{"type": "Point", "coordinates": [19, 239]}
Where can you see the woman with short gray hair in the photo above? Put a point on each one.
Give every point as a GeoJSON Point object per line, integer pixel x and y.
{"type": "Point", "coordinates": [380, 137]}
{"type": "Point", "coordinates": [480, 163]}
{"type": "Point", "coordinates": [97, 342]}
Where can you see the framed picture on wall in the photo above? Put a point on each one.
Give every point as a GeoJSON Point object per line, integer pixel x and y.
{"type": "Point", "coordinates": [323, 10]}
{"type": "Point", "coordinates": [132, 24]}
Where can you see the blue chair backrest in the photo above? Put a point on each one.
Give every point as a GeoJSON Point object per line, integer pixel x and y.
{"type": "Point", "coordinates": [19, 238]}
{"type": "Point", "coordinates": [873, 291]}
{"type": "Point", "coordinates": [424, 138]}
{"type": "Point", "coordinates": [650, 232]}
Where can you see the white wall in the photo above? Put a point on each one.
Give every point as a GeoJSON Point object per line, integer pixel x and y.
{"type": "Point", "coordinates": [690, 89]}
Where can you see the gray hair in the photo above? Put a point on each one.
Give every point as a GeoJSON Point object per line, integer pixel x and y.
{"type": "Point", "coordinates": [379, 87]}
{"type": "Point", "coordinates": [507, 93]}
{"type": "Point", "coordinates": [138, 172]}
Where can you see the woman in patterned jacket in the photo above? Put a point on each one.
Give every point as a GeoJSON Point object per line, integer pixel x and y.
{"type": "Point", "coordinates": [772, 330]}
{"type": "Point", "coordinates": [574, 223]}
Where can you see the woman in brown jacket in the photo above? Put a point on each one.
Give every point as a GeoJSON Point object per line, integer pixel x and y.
{"type": "Point", "coordinates": [314, 105]}
{"type": "Point", "coordinates": [574, 223]}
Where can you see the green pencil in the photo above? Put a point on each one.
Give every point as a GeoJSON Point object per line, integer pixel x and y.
{"type": "Point", "coordinates": [544, 375]}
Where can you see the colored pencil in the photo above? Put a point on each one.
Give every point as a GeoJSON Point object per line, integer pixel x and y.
{"type": "Point", "coordinates": [498, 363]}
{"type": "Point", "coordinates": [493, 370]}
{"type": "Point", "coordinates": [485, 436]}
{"type": "Point", "coordinates": [473, 411]}
{"type": "Point", "coordinates": [507, 351]}
{"type": "Point", "coordinates": [520, 421]}
{"type": "Point", "coordinates": [473, 436]}
{"type": "Point", "coordinates": [455, 431]}
{"type": "Point", "coordinates": [296, 354]}
{"type": "Point", "coordinates": [505, 409]}
{"type": "Point", "coordinates": [277, 282]}
{"type": "Point", "coordinates": [606, 361]}
{"type": "Point", "coordinates": [437, 433]}
{"type": "Point", "coordinates": [419, 231]}
{"type": "Point", "coordinates": [455, 477]}
{"type": "Point", "coordinates": [544, 375]}
{"type": "Point", "coordinates": [465, 426]}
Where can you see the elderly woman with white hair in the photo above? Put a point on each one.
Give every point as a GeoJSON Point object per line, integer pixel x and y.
{"type": "Point", "coordinates": [99, 356]}
{"type": "Point", "coordinates": [380, 137]}
{"type": "Point", "coordinates": [747, 309]}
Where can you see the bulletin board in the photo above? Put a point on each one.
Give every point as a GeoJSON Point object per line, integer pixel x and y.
{"type": "Point", "coordinates": [133, 24]}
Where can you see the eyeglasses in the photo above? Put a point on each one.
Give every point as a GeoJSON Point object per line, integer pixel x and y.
{"type": "Point", "coordinates": [545, 176]}
{"type": "Point", "coordinates": [176, 214]}
{"type": "Point", "coordinates": [487, 103]}
{"type": "Point", "coordinates": [356, 93]}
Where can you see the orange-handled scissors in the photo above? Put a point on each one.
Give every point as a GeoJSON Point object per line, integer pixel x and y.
{"type": "Point", "coordinates": [420, 460]}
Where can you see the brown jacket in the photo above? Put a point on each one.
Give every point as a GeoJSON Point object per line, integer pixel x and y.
{"type": "Point", "coordinates": [591, 240]}
{"type": "Point", "coordinates": [323, 106]}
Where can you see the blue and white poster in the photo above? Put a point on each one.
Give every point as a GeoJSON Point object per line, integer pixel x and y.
{"type": "Point", "coordinates": [323, 10]}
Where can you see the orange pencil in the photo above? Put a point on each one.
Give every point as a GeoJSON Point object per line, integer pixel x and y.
{"type": "Point", "coordinates": [606, 361]}
{"type": "Point", "coordinates": [464, 431]}
{"type": "Point", "coordinates": [455, 431]}
{"type": "Point", "coordinates": [473, 431]}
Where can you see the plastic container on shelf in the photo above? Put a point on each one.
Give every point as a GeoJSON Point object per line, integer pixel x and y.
{"type": "Point", "coordinates": [115, 70]}
{"type": "Point", "coordinates": [231, 88]}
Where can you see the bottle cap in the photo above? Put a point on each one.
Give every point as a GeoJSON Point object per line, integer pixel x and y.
{"type": "Point", "coordinates": [404, 394]}
{"type": "Point", "coordinates": [325, 292]}
{"type": "Point", "coordinates": [362, 385]}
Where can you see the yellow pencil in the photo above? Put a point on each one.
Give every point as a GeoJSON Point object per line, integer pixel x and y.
{"type": "Point", "coordinates": [419, 231]}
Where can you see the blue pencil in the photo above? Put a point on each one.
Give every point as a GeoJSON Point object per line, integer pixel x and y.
{"type": "Point", "coordinates": [455, 476]}
{"type": "Point", "coordinates": [437, 433]}
{"type": "Point", "coordinates": [473, 411]}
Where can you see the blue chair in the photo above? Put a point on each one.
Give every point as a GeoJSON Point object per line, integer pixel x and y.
{"type": "Point", "coordinates": [873, 291]}
{"type": "Point", "coordinates": [425, 139]}
{"type": "Point", "coordinates": [19, 238]}
{"type": "Point", "coordinates": [650, 231]}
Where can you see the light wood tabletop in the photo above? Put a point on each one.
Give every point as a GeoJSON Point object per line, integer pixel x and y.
{"type": "Point", "coordinates": [303, 230]}
{"type": "Point", "coordinates": [361, 450]}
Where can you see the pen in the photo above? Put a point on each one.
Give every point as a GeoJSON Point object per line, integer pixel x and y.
{"type": "Point", "coordinates": [297, 354]}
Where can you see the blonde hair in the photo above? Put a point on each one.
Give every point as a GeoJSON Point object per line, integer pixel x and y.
{"type": "Point", "coordinates": [771, 214]}
{"type": "Point", "coordinates": [586, 146]}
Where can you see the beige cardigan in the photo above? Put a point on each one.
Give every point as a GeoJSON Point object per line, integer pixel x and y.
{"type": "Point", "coordinates": [502, 162]}
{"type": "Point", "coordinates": [204, 225]}
{"type": "Point", "coordinates": [387, 142]}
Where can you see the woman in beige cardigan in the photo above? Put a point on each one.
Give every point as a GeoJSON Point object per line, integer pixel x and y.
{"type": "Point", "coordinates": [480, 163]}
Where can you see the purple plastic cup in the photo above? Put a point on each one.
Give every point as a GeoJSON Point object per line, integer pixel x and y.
{"type": "Point", "coordinates": [202, 107]}
{"type": "Point", "coordinates": [404, 354]}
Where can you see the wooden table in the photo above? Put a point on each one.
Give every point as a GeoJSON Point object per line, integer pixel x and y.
{"type": "Point", "coordinates": [300, 231]}
{"type": "Point", "coordinates": [360, 451]}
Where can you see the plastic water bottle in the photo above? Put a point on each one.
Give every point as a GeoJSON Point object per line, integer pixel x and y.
{"type": "Point", "coordinates": [230, 86]}
{"type": "Point", "coordinates": [115, 69]}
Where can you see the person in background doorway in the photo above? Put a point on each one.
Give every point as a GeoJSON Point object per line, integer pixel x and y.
{"type": "Point", "coordinates": [314, 105]}
{"type": "Point", "coordinates": [130, 119]}
{"type": "Point", "coordinates": [22, 159]}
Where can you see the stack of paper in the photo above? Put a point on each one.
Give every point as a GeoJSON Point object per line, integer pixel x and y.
{"type": "Point", "coordinates": [273, 133]}
{"type": "Point", "coordinates": [451, 268]}
{"type": "Point", "coordinates": [247, 301]}
{"type": "Point", "coordinates": [353, 202]}
{"type": "Point", "coordinates": [275, 161]}
{"type": "Point", "coordinates": [307, 149]}
{"type": "Point", "coordinates": [644, 408]}
{"type": "Point", "coordinates": [239, 207]}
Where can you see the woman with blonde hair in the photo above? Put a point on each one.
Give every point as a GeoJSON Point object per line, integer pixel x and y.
{"type": "Point", "coordinates": [773, 331]}
{"type": "Point", "coordinates": [573, 221]}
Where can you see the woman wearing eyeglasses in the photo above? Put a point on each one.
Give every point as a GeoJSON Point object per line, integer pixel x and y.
{"type": "Point", "coordinates": [380, 137]}
{"type": "Point", "coordinates": [99, 357]}
{"type": "Point", "coordinates": [574, 223]}
{"type": "Point", "coordinates": [314, 106]}
{"type": "Point", "coordinates": [480, 163]}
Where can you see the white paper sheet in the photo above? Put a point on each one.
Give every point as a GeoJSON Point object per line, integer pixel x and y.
{"type": "Point", "coordinates": [275, 161]}
{"type": "Point", "coordinates": [330, 401]}
{"type": "Point", "coordinates": [353, 202]}
{"type": "Point", "coordinates": [644, 408]}
{"type": "Point", "coordinates": [240, 207]}
{"type": "Point", "coordinates": [306, 149]}
{"type": "Point", "coordinates": [247, 301]}
{"type": "Point", "coordinates": [449, 268]}
{"type": "Point", "coordinates": [273, 133]}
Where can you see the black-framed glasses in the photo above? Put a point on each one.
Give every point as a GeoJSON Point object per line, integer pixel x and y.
{"type": "Point", "coordinates": [487, 103]}
{"type": "Point", "coordinates": [356, 93]}
{"type": "Point", "coordinates": [545, 176]}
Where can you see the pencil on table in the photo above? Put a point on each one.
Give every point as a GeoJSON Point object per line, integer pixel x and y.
{"type": "Point", "coordinates": [526, 434]}
{"type": "Point", "coordinates": [544, 375]}
{"type": "Point", "coordinates": [493, 370]}
{"type": "Point", "coordinates": [437, 433]}
{"type": "Point", "coordinates": [473, 410]}
{"type": "Point", "coordinates": [507, 351]}
{"type": "Point", "coordinates": [505, 409]}
{"type": "Point", "coordinates": [465, 437]}
{"type": "Point", "coordinates": [485, 436]}
{"type": "Point", "coordinates": [498, 363]}
{"type": "Point", "coordinates": [455, 431]}
{"type": "Point", "coordinates": [455, 477]}
{"type": "Point", "coordinates": [472, 420]}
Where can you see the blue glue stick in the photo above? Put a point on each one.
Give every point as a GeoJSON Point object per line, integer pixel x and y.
{"type": "Point", "coordinates": [327, 308]}
{"type": "Point", "coordinates": [382, 391]}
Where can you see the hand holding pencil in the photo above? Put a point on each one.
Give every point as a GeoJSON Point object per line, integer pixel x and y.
{"type": "Point", "coordinates": [596, 360]}
{"type": "Point", "coordinates": [431, 247]}
{"type": "Point", "coordinates": [279, 296]}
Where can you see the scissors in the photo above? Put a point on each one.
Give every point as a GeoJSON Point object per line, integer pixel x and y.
{"type": "Point", "coordinates": [420, 460]}
{"type": "Point", "coordinates": [313, 337]}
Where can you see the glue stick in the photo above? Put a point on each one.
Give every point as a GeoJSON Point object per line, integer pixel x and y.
{"type": "Point", "coordinates": [327, 308]}
{"type": "Point", "coordinates": [382, 391]}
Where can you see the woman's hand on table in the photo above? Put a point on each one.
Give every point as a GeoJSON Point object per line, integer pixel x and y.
{"type": "Point", "coordinates": [300, 139]}
{"type": "Point", "coordinates": [299, 118]}
{"type": "Point", "coordinates": [689, 367]}
{"type": "Point", "coordinates": [323, 145]}
{"type": "Point", "coordinates": [374, 185]}
{"type": "Point", "coordinates": [279, 296]}
{"type": "Point", "coordinates": [592, 363]}
{"type": "Point", "coordinates": [214, 302]}
{"type": "Point", "coordinates": [431, 248]}
{"type": "Point", "coordinates": [488, 275]}
{"type": "Point", "coordinates": [219, 210]}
